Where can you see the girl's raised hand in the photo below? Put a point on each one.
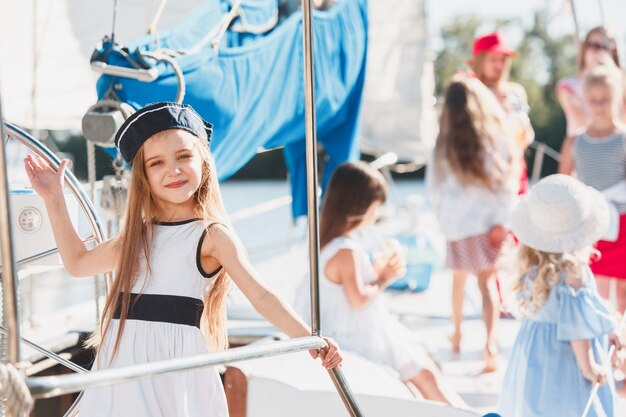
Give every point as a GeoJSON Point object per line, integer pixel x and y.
{"type": "Point", "coordinates": [332, 358]}
{"type": "Point", "coordinates": [47, 182]}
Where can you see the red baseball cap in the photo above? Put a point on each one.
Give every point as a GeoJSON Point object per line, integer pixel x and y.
{"type": "Point", "coordinates": [492, 42]}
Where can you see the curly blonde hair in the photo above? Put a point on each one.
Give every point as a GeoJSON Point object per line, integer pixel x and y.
{"type": "Point", "coordinates": [547, 267]}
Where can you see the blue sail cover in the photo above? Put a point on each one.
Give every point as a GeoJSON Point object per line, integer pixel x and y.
{"type": "Point", "coordinates": [253, 90]}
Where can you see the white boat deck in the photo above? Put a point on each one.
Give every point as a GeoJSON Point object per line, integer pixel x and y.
{"type": "Point", "coordinates": [427, 313]}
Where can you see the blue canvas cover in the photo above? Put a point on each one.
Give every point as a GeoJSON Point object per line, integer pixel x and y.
{"type": "Point", "coordinates": [253, 90]}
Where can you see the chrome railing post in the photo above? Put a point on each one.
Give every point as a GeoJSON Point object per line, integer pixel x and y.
{"type": "Point", "coordinates": [540, 151]}
{"type": "Point", "coordinates": [52, 386]}
{"type": "Point", "coordinates": [311, 170]}
{"type": "Point", "coordinates": [9, 277]}
{"type": "Point", "coordinates": [70, 180]}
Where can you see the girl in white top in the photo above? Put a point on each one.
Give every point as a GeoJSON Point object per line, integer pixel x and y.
{"type": "Point", "coordinates": [472, 182]}
{"type": "Point", "coordinates": [353, 310]}
{"type": "Point", "coordinates": [173, 259]}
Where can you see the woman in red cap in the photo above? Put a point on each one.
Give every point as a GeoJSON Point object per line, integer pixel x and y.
{"type": "Point", "coordinates": [491, 63]}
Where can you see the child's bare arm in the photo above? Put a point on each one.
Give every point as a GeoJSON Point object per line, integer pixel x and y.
{"type": "Point", "coordinates": [343, 269]}
{"type": "Point", "coordinates": [224, 246]}
{"type": "Point", "coordinates": [572, 106]}
{"type": "Point", "coordinates": [566, 164]}
{"type": "Point", "coordinates": [584, 357]}
{"type": "Point", "coordinates": [77, 259]}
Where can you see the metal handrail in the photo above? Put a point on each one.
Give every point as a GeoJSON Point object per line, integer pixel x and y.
{"type": "Point", "coordinates": [49, 354]}
{"type": "Point", "coordinates": [336, 375]}
{"type": "Point", "coordinates": [10, 312]}
{"type": "Point", "coordinates": [52, 386]}
{"type": "Point", "coordinates": [541, 149]}
{"type": "Point", "coordinates": [71, 181]}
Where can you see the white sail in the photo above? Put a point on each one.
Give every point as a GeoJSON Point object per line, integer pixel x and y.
{"type": "Point", "coordinates": [398, 103]}
{"type": "Point", "coordinates": [46, 81]}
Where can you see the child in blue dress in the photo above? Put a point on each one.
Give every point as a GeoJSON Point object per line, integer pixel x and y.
{"type": "Point", "coordinates": [562, 345]}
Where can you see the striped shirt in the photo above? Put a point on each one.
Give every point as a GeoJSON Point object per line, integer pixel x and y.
{"type": "Point", "coordinates": [601, 162]}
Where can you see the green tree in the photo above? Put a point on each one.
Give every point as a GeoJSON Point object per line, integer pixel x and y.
{"type": "Point", "coordinates": [457, 37]}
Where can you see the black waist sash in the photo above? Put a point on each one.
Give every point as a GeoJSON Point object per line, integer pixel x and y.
{"type": "Point", "coordinates": [163, 308]}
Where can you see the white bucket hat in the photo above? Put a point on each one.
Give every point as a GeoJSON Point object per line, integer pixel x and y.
{"type": "Point", "coordinates": [560, 214]}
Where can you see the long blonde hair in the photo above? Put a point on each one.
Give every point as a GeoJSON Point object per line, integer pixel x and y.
{"type": "Point", "coordinates": [471, 126]}
{"type": "Point", "coordinates": [136, 240]}
{"type": "Point", "coordinates": [546, 268]}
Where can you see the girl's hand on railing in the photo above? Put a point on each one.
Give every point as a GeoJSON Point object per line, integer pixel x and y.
{"type": "Point", "coordinates": [595, 374]}
{"type": "Point", "coordinates": [331, 357]}
{"type": "Point", "coordinates": [44, 180]}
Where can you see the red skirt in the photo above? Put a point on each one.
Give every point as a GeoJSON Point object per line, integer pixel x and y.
{"type": "Point", "coordinates": [612, 261]}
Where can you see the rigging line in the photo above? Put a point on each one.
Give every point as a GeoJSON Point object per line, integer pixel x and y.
{"type": "Point", "coordinates": [576, 27]}
{"type": "Point", "coordinates": [114, 21]}
{"type": "Point", "coordinates": [234, 12]}
{"type": "Point", "coordinates": [152, 29]}
{"type": "Point", "coordinates": [602, 18]}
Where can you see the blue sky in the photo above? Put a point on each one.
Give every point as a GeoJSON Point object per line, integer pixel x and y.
{"type": "Point", "coordinates": [587, 11]}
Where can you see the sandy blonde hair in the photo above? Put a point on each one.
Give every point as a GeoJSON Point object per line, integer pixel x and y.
{"type": "Point", "coordinates": [547, 269]}
{"type": "Point", "coordinates": [471, 126]}
{"type": "Point", "coordinates": [136, 242]}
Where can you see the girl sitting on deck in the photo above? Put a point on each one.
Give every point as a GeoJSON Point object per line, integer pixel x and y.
{"type": "Point", "coordinates": [353, 309]}
{"type": "Point", "coordinates": [472, 184]}
{"type": "Point", "coordinates": [173, 259]}
{"type": "Point", "coordinates": [562, 344]}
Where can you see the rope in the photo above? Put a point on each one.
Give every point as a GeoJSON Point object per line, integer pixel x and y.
{"type": "Point", "coordinates": [152, 29]}
{"type": "Point", "coordinates": [13, 388]}
{"type": "Point", "coordinates": [162, 55]}
{"type": "Point", "coordinates": [114, 21]}
{"type": "Point", "coordinates": [226, 21]}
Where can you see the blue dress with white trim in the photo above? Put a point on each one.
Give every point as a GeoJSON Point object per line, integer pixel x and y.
{"type": "Point", "coordinates": [542, 377]}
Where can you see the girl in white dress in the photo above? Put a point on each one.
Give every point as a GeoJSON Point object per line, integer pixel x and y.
{"type": "Point", "coordinates": [173, 259]}
{"type": "Point", "coordinates": [353, 310]}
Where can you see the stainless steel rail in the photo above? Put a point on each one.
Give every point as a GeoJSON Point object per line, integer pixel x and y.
{"type": "Point", "coordinates": [9, 277]}
{"type": "Point", "coordinates": [36, 146]}
{"type": "Point", "coordinates": [541, 149]}
{"type": "Point", "coordinates": [73, 184]}
{"type": "Point", "coordinates": [51, 386]}
{"type": "Point", "coordinates": [311, 175]}
{"type": "Point", "coordinates": [49, 354]}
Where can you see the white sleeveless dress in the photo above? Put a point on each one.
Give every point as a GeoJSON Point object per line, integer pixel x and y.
{"type": "Point", "coordinates": [164, 326]}
{"type": "Point", "coordinates": [370, 331]}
